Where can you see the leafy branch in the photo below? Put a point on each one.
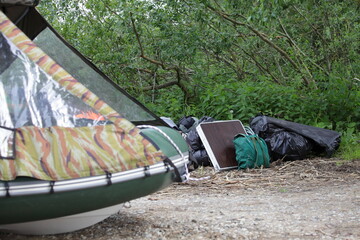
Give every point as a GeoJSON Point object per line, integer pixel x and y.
{"type": "Point", "coordinates": [178, 71]}
{"type": "Point", "coordinates": [266, 40]}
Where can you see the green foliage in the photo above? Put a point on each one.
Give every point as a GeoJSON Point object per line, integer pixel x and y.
{"type": "Point", "coordinates": [296, 60]}
{"type": "Point", "coordinates": [350, 144]}
{"type": "Point", "coordinates": [338, 104]}
{"type": "Point", "coordinates": [243, 100]}
{"type": "Point", "coordinates": [173, 107]}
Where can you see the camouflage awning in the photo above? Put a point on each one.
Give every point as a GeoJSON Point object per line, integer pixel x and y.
{"type": "Point", "coordinates": [61, 151]}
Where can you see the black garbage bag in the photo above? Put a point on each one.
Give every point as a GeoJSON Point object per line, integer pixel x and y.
{"type": "Point", "coordinates": [206, 119]}
{"type": "Point", "coordinates": [194, 140]}
{"type": "Point", "coordinates": [201, 158]}
{"type": "Point", "coordinates": [318, 139]}
{"type": "Point", "coordinates": [288, 145]}
{"type": "Point", "coordinates": [197, 149]}
{"type": "Point", "coordinates": [187, 123]}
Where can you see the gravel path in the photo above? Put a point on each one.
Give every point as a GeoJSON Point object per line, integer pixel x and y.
{"type": "Point", "coordinates": [309, 199]}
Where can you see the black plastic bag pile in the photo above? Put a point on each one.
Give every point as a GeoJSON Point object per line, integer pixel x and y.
{"type": "Point", "coordinates": [198, 154]}
{"type": "Point", "coordinates": [294, 141]}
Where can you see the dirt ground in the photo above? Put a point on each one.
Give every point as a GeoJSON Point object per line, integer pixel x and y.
{"type": "Point", "coordinates": [307, 199]}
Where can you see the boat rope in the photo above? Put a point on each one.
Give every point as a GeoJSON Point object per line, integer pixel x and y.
{"type": "Point", "coordinates": [199, 179]}
{"type": "Point", "coordinates": [10, 189]}
{"type": "Point", "coordinates": [167, 162]}
{"type": "Point", "coordinates": [187, 175]}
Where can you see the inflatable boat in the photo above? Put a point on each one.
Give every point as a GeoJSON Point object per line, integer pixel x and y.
{"type": "Point", "coordinates": [73, 150]}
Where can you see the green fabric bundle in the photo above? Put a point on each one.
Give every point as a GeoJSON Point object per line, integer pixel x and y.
{"type": "Point", "coordinates": [251, 151]}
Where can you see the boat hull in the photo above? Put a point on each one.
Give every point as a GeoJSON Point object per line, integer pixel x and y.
{"type": "Point", "coordinates": [53, 213]}
{"type": "Point", "coordinates": [47, 206]}
{"type": "Point", "coordinates": [35, 207]}
{"type": "Point", "coordinates": [62, 224]}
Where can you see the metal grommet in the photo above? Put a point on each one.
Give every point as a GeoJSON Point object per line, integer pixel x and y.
{"type": "Point", "coordinates": [146, 171]}
{"type": "Point", "coordinates": [7, 188]}
{"type": "Point", "coordinates": [52, 184]}
{"type": "Point", "coordinates": [108, 177]}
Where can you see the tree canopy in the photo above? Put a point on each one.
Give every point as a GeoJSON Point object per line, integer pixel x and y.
{"type": "Point", "coordinates": [292, 59]}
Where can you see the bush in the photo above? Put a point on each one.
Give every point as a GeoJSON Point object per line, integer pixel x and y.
{"type": "Point", "coordinates": [334, 105]}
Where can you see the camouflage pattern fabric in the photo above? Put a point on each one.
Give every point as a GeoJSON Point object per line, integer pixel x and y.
{"type": "Point", "coordinates": [57, 153]}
